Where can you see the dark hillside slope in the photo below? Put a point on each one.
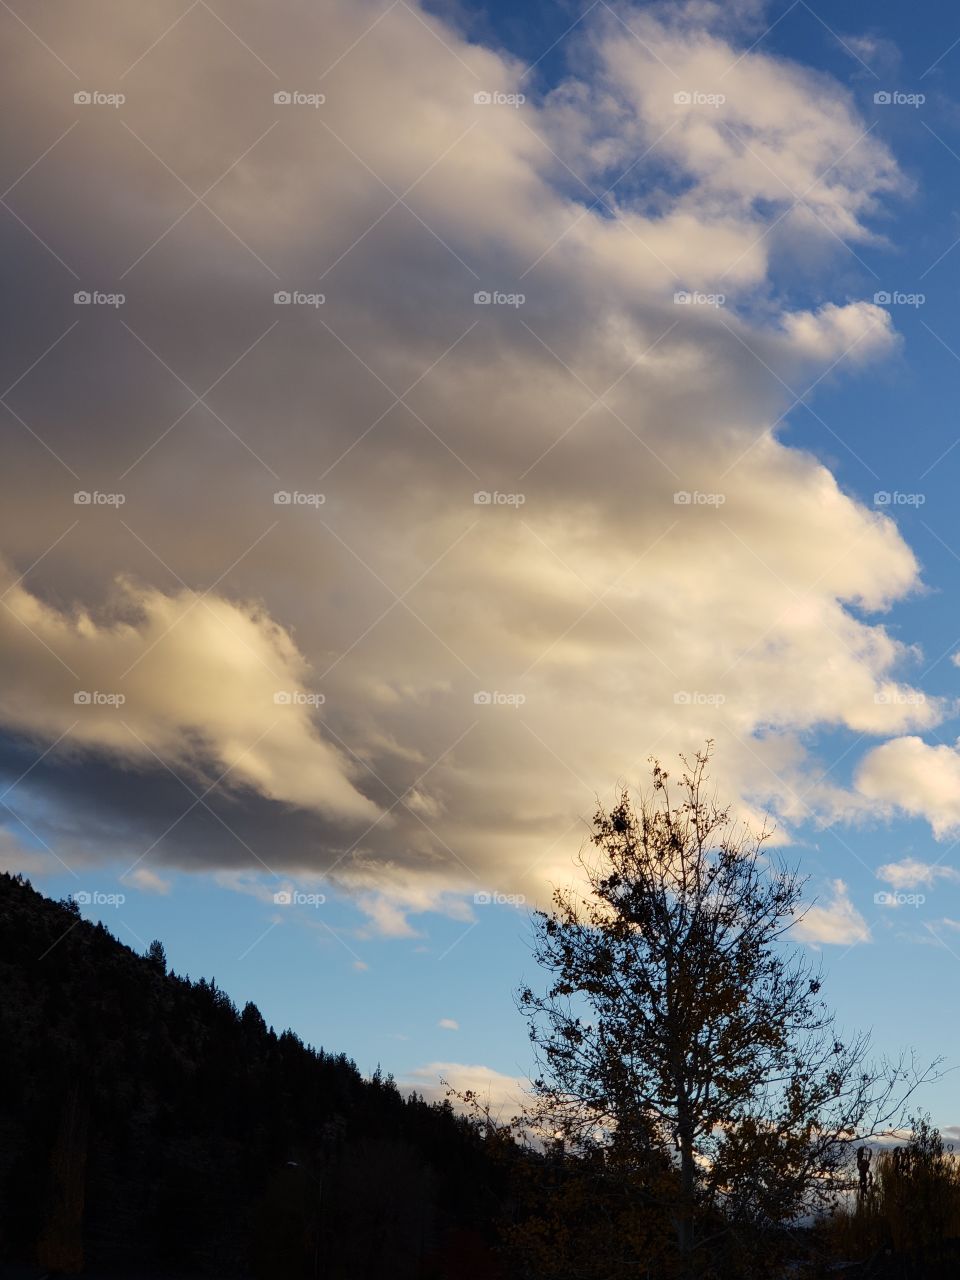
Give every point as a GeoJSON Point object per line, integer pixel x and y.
{"type": "Point", "coordinates": [148, 1128]}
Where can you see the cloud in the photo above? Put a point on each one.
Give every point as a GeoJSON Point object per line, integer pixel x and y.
{"type": "Point", "coordinates": [175, 679]}
{"type": "Point", "coordinates": [386, 916]}
{"type": "Point", "coordinates": [504, 1094]}
{"type": "Point", "coordinates": [775, 135]}
{"type": "Point", "coordinates": [488, 668]}
{"type": "Point", "coordinates": [147, 880]}
{"type": "Point", "coordinates": [877, 52]}
{"type": "Point", "coordinates": [861, 331]}
{"type": "Point", "coordinates": [838, 923]}
{"type": "Point", "coordinates": [909, 775]}
{"type": "Point", "coordinates": [910, 873]}
{"type": "Point", "coordinates": [449, 1024]}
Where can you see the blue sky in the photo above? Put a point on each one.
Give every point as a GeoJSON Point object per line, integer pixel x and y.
{"type": "Point", "coordinates": [393, 952]}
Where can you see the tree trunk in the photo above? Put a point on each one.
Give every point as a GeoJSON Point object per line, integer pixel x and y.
{"type": "Point", "coordinates": [685, 1215]}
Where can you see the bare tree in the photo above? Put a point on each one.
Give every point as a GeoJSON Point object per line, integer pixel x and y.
{"type": "Point", "coordinates": [681, 1025]}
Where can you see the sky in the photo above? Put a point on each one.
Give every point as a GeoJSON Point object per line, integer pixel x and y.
{"type": "Point", "coordinates": [416, 417]}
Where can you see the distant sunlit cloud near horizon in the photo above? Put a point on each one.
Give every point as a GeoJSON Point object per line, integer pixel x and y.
{"type": "Point", "coordinates": [417, 416]}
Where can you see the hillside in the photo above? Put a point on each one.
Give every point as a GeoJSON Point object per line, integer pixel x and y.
{"type": "Point", "coordinates": [148, 1128]}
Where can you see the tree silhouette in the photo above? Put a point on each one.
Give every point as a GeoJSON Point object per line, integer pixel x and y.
{"type": "Point", "coordinates": [679, 1025]}
{"type": "Point", "coordinates": [157, 957]}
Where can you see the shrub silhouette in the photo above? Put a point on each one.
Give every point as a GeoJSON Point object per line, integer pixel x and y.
{"type": "Point", "coordinates": [912, 1208]}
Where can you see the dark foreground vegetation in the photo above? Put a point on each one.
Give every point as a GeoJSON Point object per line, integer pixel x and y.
{"type": "Point", "coordinates": [696, 1115]}
{"type": "Point", "coordinates": [149, 1128]}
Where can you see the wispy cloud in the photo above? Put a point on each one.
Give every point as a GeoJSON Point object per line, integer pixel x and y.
{"type": "Point", "coordinates": [835, 923]}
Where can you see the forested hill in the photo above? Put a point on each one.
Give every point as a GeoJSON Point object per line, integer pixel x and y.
{"type": "Point", "coordinates": [148, 1128]}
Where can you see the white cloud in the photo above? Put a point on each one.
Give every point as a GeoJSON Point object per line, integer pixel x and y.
{"type": "Point", "coordinates": [838, 923]}
{"type": "Point", "coordinates": [781, 133]}
{"type": "Point", "coordinates": [909, 775]}
{"type": "Point", "coordinates": [910, 873]}
{"type": "Point", "coordinates": [505, 1094]}
{"type": "Point", "coordinates": [147, 880]}
{"type": "Point", "coordinates": [860, 331]}
{"type": "Point", "coordinates": [449, 1024]}
{"type": "Point", "coordinates": [387, 917]}
{"type": "Point", "coordinates": [388, 896]}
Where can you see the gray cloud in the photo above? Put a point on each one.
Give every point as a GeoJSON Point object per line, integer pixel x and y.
{"type": "Point", "coordinates": [628, 622]}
